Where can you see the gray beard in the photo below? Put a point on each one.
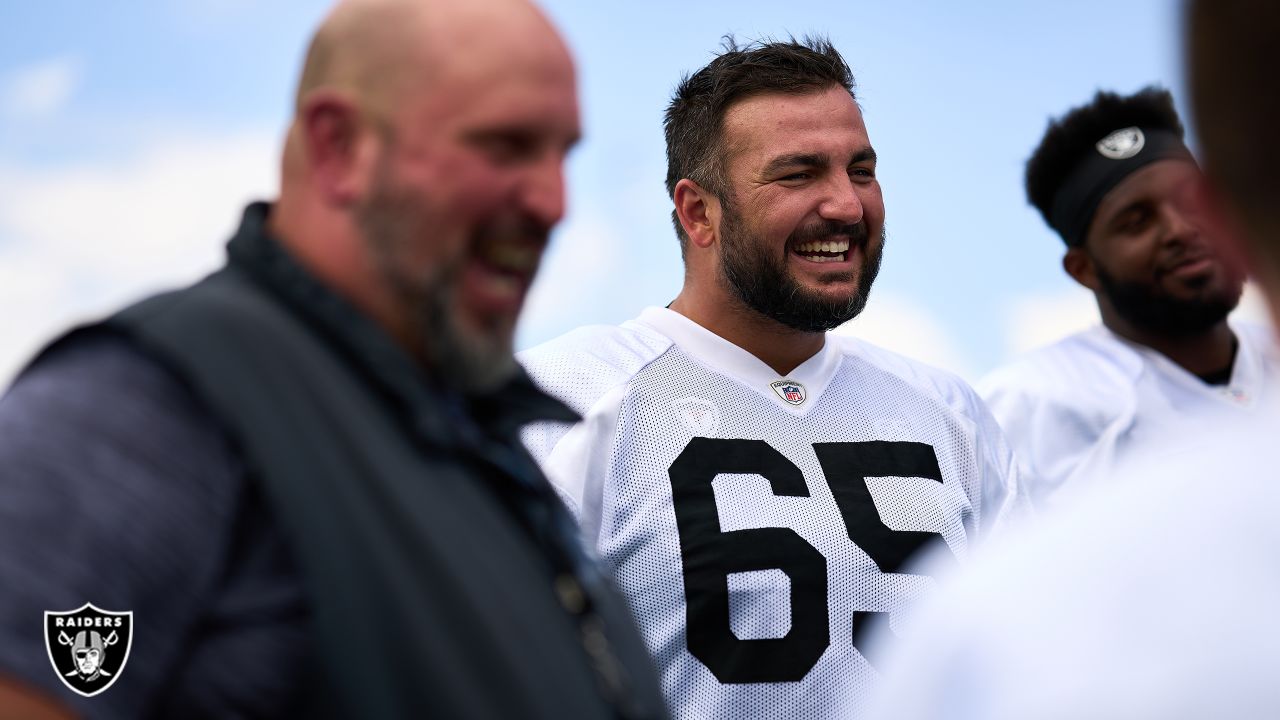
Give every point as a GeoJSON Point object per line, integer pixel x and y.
{"type": "Point", "coordinates": [473, 363]}
{"type": "Point", "coordinates": [477, 364]}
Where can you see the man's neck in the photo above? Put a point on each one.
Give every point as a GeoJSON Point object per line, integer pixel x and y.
{"type": "Point", "coordinates": [1200, 354]}
{"type": "Point", "coordinates": [781, 348]}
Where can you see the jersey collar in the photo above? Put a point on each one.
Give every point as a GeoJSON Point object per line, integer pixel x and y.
{"type": "Point", "coordinates": [1247, 372]}
{"type": "Point", "coordinates": [728, 359]}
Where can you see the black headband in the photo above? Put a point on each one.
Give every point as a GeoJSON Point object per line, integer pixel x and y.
{"type": "Point", "coordinates": [1113, 158]}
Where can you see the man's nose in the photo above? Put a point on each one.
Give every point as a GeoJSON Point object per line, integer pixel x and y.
{"type": "Point", "coordinates": [542, 194]}
{"type": "Point", "coordinates": [1178, 223]}
{"type": "Point", "coordinates": [843, 204]}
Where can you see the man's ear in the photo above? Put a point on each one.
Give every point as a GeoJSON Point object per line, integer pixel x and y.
{"type": "Point", "coordinates": [1079, 265]}
{"type": "Point", "coordinates": [698, 211]}
{"type": "Point", "coordinates": [339, 152]}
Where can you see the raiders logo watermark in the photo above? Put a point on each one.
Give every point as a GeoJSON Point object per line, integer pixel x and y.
{"type": "Point", "coordinates": [790, 391]}
{"type": "Point", "coordinates": [1122, 144]}
{"type": "Point", "coordinates": [88, 647]}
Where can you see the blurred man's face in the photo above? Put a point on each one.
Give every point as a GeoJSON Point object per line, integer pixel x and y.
{"type": "Point", "coordinates": [803, 225]}
{"type": "Point", "coordinates": [469, 184]}
{"type": "Point", "coordinates": [1153, 260]}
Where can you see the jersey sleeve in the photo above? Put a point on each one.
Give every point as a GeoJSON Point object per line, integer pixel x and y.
{"type": "Point", "coordinates": [1057, 415]}
{"type": "Point", "coordinates": [588, 370]}
{"type": "Point", "coordinates": [117, 489]}
{"type": "Point", "coordinates": [1005, 497]}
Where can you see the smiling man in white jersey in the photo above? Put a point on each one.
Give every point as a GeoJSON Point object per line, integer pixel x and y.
{"type": "Point", "coordinates": [755, 483]}
{"type": "Point", "coordinates": [1108, 177]}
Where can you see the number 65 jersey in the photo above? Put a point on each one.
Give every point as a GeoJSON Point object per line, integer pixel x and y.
{"type": "Point", "coordinates": [756, 522]}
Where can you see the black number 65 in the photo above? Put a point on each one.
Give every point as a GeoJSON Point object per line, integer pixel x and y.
{"type": "Point", "coordinates": [709, 556]}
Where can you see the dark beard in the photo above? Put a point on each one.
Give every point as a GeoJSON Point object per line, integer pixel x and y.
{"type": "Point", "coordinates": [760, 279]}
{"type": "Point", "coordinates": [1148, 308]}
{"type": "Point", "coordinates": [390, 221]}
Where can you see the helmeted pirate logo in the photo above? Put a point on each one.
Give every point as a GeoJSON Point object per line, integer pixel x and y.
{"type": "Point", "coordinates": [88, 647]}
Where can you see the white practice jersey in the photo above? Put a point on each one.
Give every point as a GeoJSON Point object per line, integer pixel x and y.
{"type": "Point", "coordinates": [1074, 409]}
{"type": "Point", "coordinates": [754, 522]}
{"type": "Point", "coordinates": [1153, 599]}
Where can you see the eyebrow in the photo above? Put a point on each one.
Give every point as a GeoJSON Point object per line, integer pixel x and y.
{"type": "Point", "coordinates": [814, 160]}
{"type": "Point", "coordinates": [867, 154]}
{"type": "Point", "coordinates": [796, 160]}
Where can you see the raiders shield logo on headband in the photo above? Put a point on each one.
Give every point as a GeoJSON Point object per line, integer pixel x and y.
{"type": "Point", "coordinates": [1122, 144]}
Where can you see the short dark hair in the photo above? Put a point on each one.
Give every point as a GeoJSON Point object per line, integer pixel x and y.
{"type": "Point", "coordinates": [694, 121]}
{"type": "Point", "coordinates": [1236, 99]}
{"type": "Point", "coordinates": [1071, 138]}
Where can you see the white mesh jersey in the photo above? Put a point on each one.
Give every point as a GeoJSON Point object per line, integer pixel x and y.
{"type": "Point", "coordinates": [755, 522]}
{"type": "Point", "coordinates": [1074, 409]}
{"type": "Point", "coordinates": [1151, 598]}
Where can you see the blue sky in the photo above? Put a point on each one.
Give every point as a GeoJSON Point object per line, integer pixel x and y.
{"type": "Point", "coordinates": [132, 132]}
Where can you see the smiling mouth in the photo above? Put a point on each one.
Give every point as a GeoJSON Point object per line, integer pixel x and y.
{"type": "Point", "coordinates": [505, 270]}
{"type": "Point", "coordinates": [823, 251]}
{"type": "Point", "coordinates": [1190, 265]}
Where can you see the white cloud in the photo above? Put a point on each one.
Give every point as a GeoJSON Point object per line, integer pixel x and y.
{"type": "Point", "coordinates": [81, 241]}
{"type": "Point", "coordinates": [907, 327]}
{"type": "Point", "coordinates": [42, 89]}
{"type": "Point", "coordinates": [1040, 319]}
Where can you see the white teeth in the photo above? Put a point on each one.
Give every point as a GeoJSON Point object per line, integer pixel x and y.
{"type": "Point", "coordinates": [826, 258]}
{"type": "Point", "coordinates": [837, 246]}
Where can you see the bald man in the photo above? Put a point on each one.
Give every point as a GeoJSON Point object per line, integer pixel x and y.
{"type": "Point", "coordinates": [296, 486]}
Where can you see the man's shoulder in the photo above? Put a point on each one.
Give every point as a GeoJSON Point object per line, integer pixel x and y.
{"type": "Point", "coordinates": [1260, 337]}
{"type": "Point", "coordinates": [105, 403]}
{"type": "Point", "coordinates": [934, 381]}
{"type": "Point", "coordinates": [120, 487]}
{"type": "Point", "coordinates": [581, 365]}
{"type": "Point", "coordinates": [1088, 363]}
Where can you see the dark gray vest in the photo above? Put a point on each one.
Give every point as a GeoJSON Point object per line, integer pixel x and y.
{"type": "Point", "coordinates": [428, 599]}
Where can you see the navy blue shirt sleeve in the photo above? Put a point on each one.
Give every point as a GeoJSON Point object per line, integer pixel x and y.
{"type": "Point", "coordinates": [117, 488]}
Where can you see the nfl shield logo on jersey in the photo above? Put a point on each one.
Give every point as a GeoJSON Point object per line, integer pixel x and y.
{"type": "Point", "coordinates": [790, 391]}
{"type": "Point", "coordinates": [88, 647]}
